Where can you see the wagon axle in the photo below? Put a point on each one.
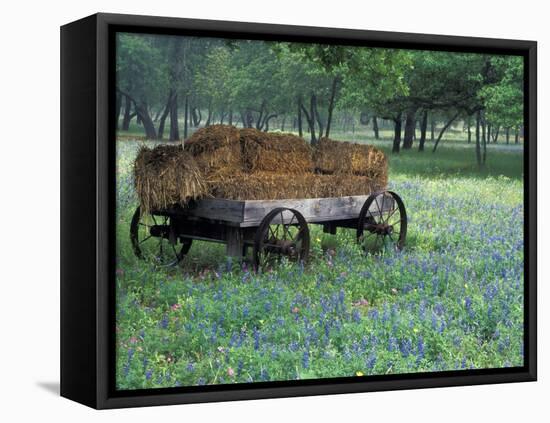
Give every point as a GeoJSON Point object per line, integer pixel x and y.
{"type": "Point", "coordinates": [281, 246]}
{"type": "Point", "coordinates": [160, 231]}
{"type": "Point", "coordinates": [380, 229]}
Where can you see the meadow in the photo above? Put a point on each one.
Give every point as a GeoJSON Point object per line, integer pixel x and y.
{"type": "Point", "coordinates": [451, 300]}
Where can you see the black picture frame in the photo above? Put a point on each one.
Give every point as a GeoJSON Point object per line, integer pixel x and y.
{"type": "Point", "coordinates": [87, 210]}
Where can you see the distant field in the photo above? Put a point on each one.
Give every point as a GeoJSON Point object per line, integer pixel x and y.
{"type": "Point", "coordinates": [453, 299]}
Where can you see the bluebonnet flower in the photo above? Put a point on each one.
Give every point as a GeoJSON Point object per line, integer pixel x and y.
{"type": "Point", "coordinates": [373, 314]}
{"type": "Point", "coordinates": [405, 347]}
{"type": "Point", "coordinates": [164, 322]}
{"type": "Point", "coordinates": [256, 335]}
{"type": "Point", "coordinates": [305, 359]}
{"type": "Point", "coordinates": [392, 344]}
{"type": "Point", "coordinates": [434, 322]}
{"type": "Point", "coordinates": [420, 348]}
{"type": "Point", "coordinates": [356, 316]}
{"type": "Point", "coordinates": [148, 374]}
{"type": "Point", "coordinates": [201, 381]}
{"type": "Point", "coordinates": [371, 361]}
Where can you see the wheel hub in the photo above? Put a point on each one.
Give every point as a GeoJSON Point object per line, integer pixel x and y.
{"type": "Point", "coordinates": [160, 231]}
{"type": "Point", "coordinates": [380, 229]}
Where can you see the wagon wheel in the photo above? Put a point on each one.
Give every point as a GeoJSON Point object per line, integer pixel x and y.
{"type": "Point", "coordinates": [382, 222]}
{"type": "Point", "coordinates": [150, 236]}
{"type": "Point", "coordinates": [282, 232]}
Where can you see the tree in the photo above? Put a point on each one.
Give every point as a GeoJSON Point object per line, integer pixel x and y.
{"type": "Point", "coordinates": [141, 76]}
{"type": "Point", "coordinates": [503, 99]}
{"type": "Point", "coordinates": [374, 80]}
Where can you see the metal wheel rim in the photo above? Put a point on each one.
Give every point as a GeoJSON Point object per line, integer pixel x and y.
{"type": "Point", "coordinates": [157, 250]}
{"type": "Point", "coordinates": [267, 251]}
{"type": "Point", "coordinates": [395, 218]}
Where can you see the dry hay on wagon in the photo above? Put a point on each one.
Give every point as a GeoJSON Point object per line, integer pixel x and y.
{"type": "Point", "coordinates": [339, 157]}
{"type": "Point", "coordinates": [166, 175]}
{"type": "Point", "coordinates": [277, 186]}
{"type": "Point", "coordinates": [275, 152]}
{"type": "Point", "coordinates": [216, 148]}
{"type": "Point", "coordinates": [224, 162]}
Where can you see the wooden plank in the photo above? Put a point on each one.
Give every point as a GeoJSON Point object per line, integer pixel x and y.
{"type": "Point", "coordinates": [314, 210]}
{"type": "Point", "coordinates": [251, 212]}
{"type": "Point", "coordinates": [218, 209]}
{"type": "Point", "coordinates": [235, 244]}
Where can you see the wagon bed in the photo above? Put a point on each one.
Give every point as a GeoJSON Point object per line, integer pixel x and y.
{"type": "Point", "coordinates": [241, 224]}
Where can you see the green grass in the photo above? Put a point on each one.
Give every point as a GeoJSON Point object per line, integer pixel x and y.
{"type": "Point", "coordinates": [453, 299]}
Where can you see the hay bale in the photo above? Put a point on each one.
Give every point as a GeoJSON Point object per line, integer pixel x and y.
{"type": "Point", "coordinates": [276, 186]}
{"type": "Point", "coordinates": [216, 148]}
{"type": "Point", "coordinates": [275, 152]}
{"type": "Point", "coordinates": [166, 175]}
{"type": "Point", "coordinates": [337, 157]}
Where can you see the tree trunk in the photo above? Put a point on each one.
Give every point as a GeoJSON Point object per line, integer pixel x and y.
{"type": "Point", "coordinates": [397, 134]}
{"type": "Point", "coordinates": [157, 115]}
{"type": "Point", "coordinates": [310, 118]}
{"type": "Point", "coordinates": [127, 117]}
{"type": "Point", "coordinates": [507, 135]}
{"type": "Point", "coordinates": [186, 117]}
{"type": "Point", "coordinates": [265, 125]}
{"type": "Point", "coordinates": [489, 132]}
{"type": "Point", "coordinates": [118, 108]}
{"type": "Point", "coordinates": [230, 116]}
{"type": "Point", "coordinates": [469, 123]}
{"type": "Point", "coordinates": [516, 136]}
{"type": "Point", "coordinates": [496, 133]}
{"type": "Point", "coordinates": [143, 114]}
{"type": "Point", "coordinates": [300, 131]}
{"type": "Point", "coordinates": [410, 126]}
{"type": "Point", "coordinates": [164, 115]}
{"type": "Point", "coordinates": [196, 116]}
{"type": "Point", "coordinates": [423, 128]}
{"type": "Point", "coordinates": [478, 145]}
{"type": "Point", "coordinates": [174, 129]}
{"type": "Point", "coordinates": [432, 129]}
{"type": "Point", "coordinates": [375, 128]}
{"type": "Point", "coordinates": [331, 104]}
{"type": "Point", "coordinates": [261, 116]}
{"type": "Point", "coordinates": [484, 143]}
{"type": "Point", "coordinates": [447, 125]}
{"type": "Point", "coordinates": [318, 118]}
{"type": "Point", "coordinates": [209, 118]}
{"type": "Point", "coordinates": [283, 123]}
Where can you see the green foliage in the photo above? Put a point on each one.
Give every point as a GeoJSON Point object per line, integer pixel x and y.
{"type": "Point", "coordinates": [140, 70]}
{"type": "Point", "coordinates": [503, 99]}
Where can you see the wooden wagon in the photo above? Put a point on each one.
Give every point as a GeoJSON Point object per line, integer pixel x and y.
{"type": "Point", "coordinates": [271, 228]}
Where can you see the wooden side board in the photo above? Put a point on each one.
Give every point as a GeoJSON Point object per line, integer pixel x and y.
{"type": "Point", "coordinates": [248, 213]}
